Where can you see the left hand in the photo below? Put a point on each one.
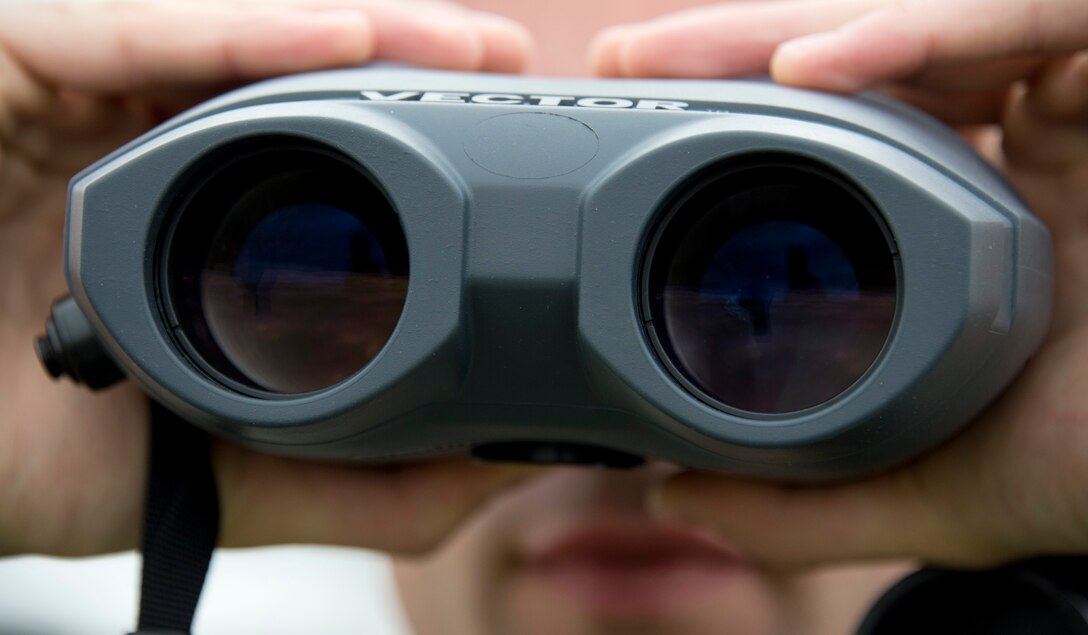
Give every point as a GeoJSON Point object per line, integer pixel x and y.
{"type": "Point", "coordinates": [1015, 483]}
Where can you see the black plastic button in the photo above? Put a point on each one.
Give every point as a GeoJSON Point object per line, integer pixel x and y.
{"type": "Point", "coordinates": [556, 454]}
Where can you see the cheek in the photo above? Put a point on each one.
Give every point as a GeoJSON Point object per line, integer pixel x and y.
{"type": "Point", "coordinates": [457, 589]}
{"type": "Point", "coordinates": [449, 592]}
{"type": "Point", "coordinates": [837, 598]}
{"type": "Point", "coordinates": [438, 598]}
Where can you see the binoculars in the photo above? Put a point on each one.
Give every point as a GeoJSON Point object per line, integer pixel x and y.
{"type": "Point", "coordinates": [389, 265]}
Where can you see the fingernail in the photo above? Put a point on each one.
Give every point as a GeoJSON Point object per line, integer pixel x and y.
{"type": "Point", "coordinates": [507, 43]}
{"type": "Point", "coordinates": [804, 61]}
{"type": "Point", "coordinates": [604, 51]}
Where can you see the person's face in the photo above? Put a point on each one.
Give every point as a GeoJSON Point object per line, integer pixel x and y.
{"type": "Point", "coordinates": [573, 553]}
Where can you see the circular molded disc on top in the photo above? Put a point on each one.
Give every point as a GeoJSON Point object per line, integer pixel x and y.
{"type": "Point", "coordinates": [531, 145]}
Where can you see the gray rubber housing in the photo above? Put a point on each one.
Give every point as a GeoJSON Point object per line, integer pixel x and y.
{"type": "Point", "coordinates": [526, 226]}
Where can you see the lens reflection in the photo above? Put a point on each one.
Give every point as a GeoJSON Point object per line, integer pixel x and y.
{"type": "Point", "coordinates": [772, 289]}
{"type": "Point", "coordinates": [303, 274]}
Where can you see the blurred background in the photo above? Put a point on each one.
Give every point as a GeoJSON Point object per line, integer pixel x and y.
{"type": "Point", "coordinates": [267, 591]}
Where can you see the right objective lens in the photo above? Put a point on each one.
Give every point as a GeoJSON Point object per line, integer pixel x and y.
{"type": "Point", "coordinates": [288, 269]}
{"type": "Point", "coordinates": [771, 287]}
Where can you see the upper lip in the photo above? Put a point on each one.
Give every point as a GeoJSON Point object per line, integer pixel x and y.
{"type": "Point", "coordinates": [632, 543]}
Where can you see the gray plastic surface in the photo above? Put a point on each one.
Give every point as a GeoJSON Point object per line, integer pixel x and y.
{"type": "Point", "coordinates": [526, 226]}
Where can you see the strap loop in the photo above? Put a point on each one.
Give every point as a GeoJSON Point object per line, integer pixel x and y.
{"type": "Point", "coordinates": [181, 525]}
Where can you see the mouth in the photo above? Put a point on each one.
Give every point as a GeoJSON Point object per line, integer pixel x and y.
{"type": "Point", "coordinates": [633, 568]}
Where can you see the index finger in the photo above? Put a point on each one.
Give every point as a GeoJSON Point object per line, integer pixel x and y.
{"type": "Point", "coordinates": [903, 39]}
{"type": "Point", "coordinates": [716, 40]}
{"type": "Point", "coordinates": [113, 47]}
{"type": "Point", "coordinates": [105, 47]}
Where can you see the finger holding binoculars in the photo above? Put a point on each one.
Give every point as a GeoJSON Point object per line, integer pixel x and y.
{"type": "Point", "coordinates": [1014, 484]}
{"type": "Point", "coordinates": [722, 40]}
{"type": "Point", "coordinates": [975, 46]}
{"type": "Point", "coordinates": [440, 35]}
{"type": "Point", "coordinates": [903, 40]}
{"type": "Point", "coordinates": [966, 95]}
{"type": "Point", "coordinates": [117, 47]}
{"type": "Point", "coordinates": [1046, 122]}
{"type": "Point", "coordinates": [404, 509]}
{"type": "Point", "coordinates": [1044, 150]}
{"type": "Point", "coordinates": [431, 33]}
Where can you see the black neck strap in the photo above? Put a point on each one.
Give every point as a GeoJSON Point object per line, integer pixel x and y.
{"type": "Point", "coordinates": [181, 525]}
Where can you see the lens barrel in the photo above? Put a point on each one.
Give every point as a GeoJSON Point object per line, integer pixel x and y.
{"type": "Point", "coordinates": [287, 268]}
{"type": "Point", "coordinates": [770, 285]}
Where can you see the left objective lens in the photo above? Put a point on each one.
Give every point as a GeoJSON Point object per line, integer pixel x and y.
{"type": "Point", "coordinates": [287, 270]}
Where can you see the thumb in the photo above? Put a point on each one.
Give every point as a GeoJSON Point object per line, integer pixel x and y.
{"type": "Point", "coordinates": [406, 509]}
{"type": "Point", "coordinates": [788, 526]}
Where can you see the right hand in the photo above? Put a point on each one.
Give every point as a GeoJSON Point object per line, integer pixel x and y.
{"type": "Point", "coordinates": [80, 78]}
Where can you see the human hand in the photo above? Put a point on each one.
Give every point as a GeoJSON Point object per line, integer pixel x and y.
{"type": "Point", "coordinates": [1015, 483]}
{"type": "Point", "coordinates": [78, 79]}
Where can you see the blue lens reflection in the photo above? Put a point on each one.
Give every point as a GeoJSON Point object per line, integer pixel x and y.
{"type": "Point", "coordinates": [309, 238]}
{"type": "Point", "coordinates": [773, 289]}
{"type": "Point", "coordinates": [309, 299]}
{"type": "Point", "coordinates": [757, 265]}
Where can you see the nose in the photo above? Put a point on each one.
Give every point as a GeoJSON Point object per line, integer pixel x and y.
{"type": "Point", "coordinates": [615, 490]}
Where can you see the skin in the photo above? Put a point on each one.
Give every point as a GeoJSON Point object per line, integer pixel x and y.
{"type": "Point", "coordinates": [73, 462]}
{"type": "Point", "coordinates": [1014, 484]}
{"type": "Point", "coordinates": [481, 581]}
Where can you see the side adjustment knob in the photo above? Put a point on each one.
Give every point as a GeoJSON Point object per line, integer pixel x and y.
{"type": "Point", "coordinates": [71, 347]}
